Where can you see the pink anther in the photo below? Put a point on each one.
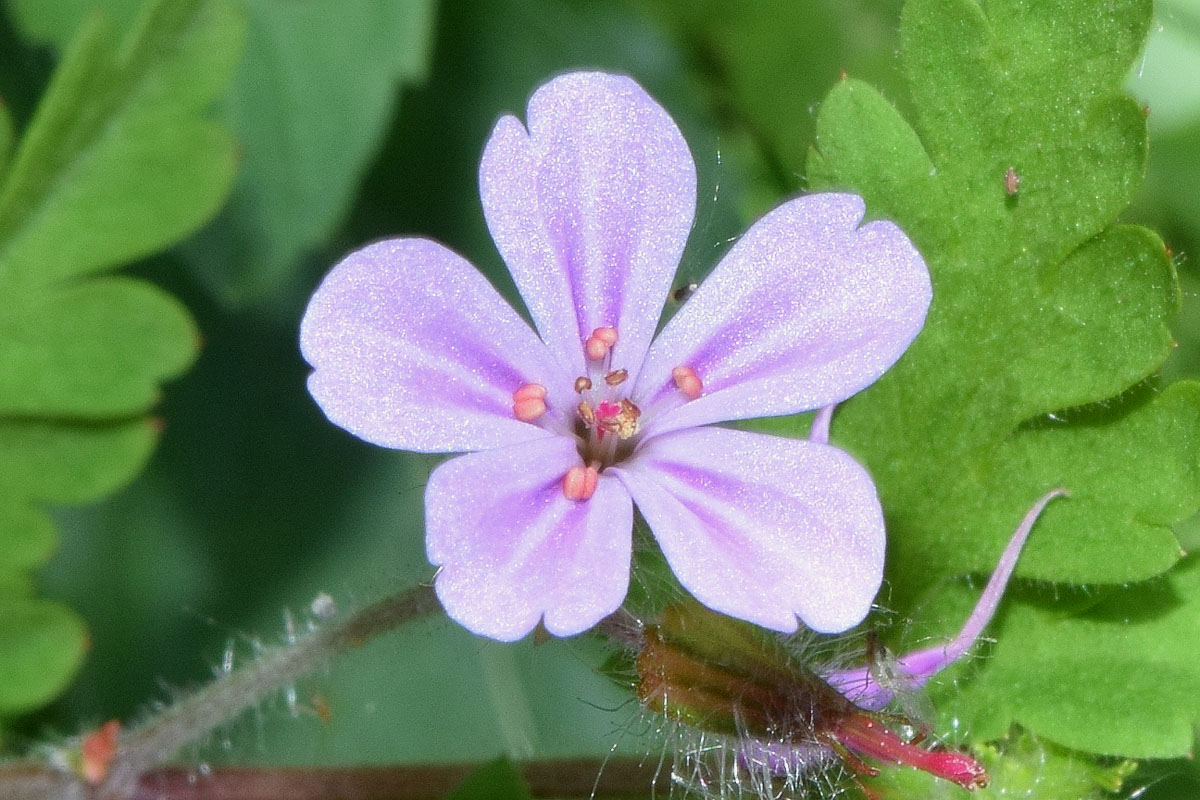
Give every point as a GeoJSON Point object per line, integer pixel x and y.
{"type": "Point", "coordinates": [529, 402]}
{"type": "Point", "coordinates": [687, 381]}
{"type": "Point", "coordinates": [600, 343]}
{"type": "Point", "coordinates": [606, 334]}
{"type": "Point", "coordinates": [580, 483]}
{"type": "Point", "coordinates": [596, 349]}
{"type": "Point", "coordinates": [530, 390]}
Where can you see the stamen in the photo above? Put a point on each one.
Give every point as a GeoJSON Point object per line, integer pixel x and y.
{"type": "Point", "coordinates": [586, 414]}
{"type": "Point", "coordinates": [530, 390]}
{"type": "Point", "coordinates": [596, 350]}
{"type": "Point", "coordinates": [580, 483]}
{"type": "Point", "coordinates": [606, 334]}
{"type": "Point", "coordinates": [687, 381]}
{"type": "Point", "coordinates": [600, 343]}
{"type": "Point", "coordinates": [616, 378]}
{"type": "Point", "coordinates": [529, 402]}
{"type": "Point", "coordinates": [582, 385]}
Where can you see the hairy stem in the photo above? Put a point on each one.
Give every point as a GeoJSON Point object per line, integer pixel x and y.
{"type": "Point", "coordinates": [196, 715]}
{"type": "Point", "coordinates": [152, 743]}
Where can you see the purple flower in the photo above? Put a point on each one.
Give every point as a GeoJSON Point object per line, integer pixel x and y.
{"type": "Point", "coordinates": [566, 429]}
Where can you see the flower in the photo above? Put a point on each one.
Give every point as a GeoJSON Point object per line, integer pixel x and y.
{"type": "Point", "coordinates": [566, 429]}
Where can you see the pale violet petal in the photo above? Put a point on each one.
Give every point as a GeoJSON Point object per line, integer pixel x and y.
{"type": "Point", "coordinates": [590, 207]}
{"type": "Point", "coordinates": [807, 308]}
{"type": "Point", "coordinates": [412, 348]}
{"type": "Point", "coordinates": [763, 528]}
{"type": "Point", "coordinates": [513, 550]}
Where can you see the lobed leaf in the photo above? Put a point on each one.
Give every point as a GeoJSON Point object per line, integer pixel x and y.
{"type": "Point", "coordinates": [119, 160]}
{"type": "Point", "coordinates": [1128, 660]}
{"type": "Point", "coordinates": [41, 646]}
{"type": "Point", "coordinates": [1035, 368]}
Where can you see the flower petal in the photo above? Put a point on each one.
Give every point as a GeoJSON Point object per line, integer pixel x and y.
{"type": "Point", "coordinates": [512, 548]}
{"type": "Point", "coordinates": [590, 207]}
{"type": "Point", "coordinates": [412, 348]}
{"type": "Point", "coordinates": [805, 310]}
{"type": "Point", "coordinates": [763, 528]}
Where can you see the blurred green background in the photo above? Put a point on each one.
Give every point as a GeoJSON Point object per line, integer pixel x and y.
{"type": "Point", "coordinates": [360, 119]}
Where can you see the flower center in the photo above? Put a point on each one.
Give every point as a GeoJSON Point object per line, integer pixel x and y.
{"type": "Point", "coordinates": [605, 420]}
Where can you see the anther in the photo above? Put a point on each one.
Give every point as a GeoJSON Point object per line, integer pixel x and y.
{"type": "Point", "coordinates": [600, 343]}
{"type": "Point", "coordinates": [687, 381]}
{"type": "Point", "coordinates": [596, 350]}
{"type": "Point", "coordinates": [586, 414]}
{"type": "Point", "coordinates": [606, 334]}
{"type": "Point", "coordinates": [530, 390]}
{"type": "Point", "coordinates": [580, 483]}
{"type": "Point", "coordinates": [529, 402]}
{"type": "Point", "coordinates": [616, 378]}
{"type": "Point", "coordinates": [582, 385]}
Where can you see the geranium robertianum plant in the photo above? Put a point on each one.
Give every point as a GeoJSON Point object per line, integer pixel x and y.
{"type": "Point", "coordinates": [568, 428]}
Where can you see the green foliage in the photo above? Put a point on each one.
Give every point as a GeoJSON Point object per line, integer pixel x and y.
{"type": "Point", "coordinates": [56, 23]}
{"type": "Point", "coordinates": [310, 105]}
{"type": "Point", "coordinates": [6, 136]}
{"type": "Point", "coordinates": [1042, 307]}
{"type": "Point", "coordinates": [1118, 678]}
{"type": "Point", "coordinates": [120, 160]}
{"type": "Point", "coordinates": [1019, 765]}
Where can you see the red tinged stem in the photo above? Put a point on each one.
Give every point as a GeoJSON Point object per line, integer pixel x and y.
{"type": "Point", "coordinates": [865, 736]}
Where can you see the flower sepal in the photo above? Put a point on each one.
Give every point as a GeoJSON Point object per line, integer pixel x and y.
{"type": "Point", "coordinates": [721, 676]}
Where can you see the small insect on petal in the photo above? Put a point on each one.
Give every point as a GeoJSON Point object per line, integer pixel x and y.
{"type": "Point", "coordinates": [682, 293]}
{"type": "Point", "coordinates": [1012, 182]}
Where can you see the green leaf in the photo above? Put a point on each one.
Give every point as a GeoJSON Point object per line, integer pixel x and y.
{"type": "Point", "coordinates": [1127, 660]}
{"type": "Point", "coordinates": [1039, 302]}
{"type": "Point", "coordinates": [121, 159]}
{"type": "Point", "coordinates": [41, 646]}
{"type": "Point", "coordinates": [498, 780]}
{"type": "Point", "coordinates": [310, 105]}
{"type": "Point", "coordinates": [1045, 314]}
{"type": "Point", "coordinates": [92, 349]}
{"type": "Point", "coordinates": [1019, 765]}
{"type": "Point", "coordinates": [6, 136]}
{"type": "Point", "coordinates": [56, 23]}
